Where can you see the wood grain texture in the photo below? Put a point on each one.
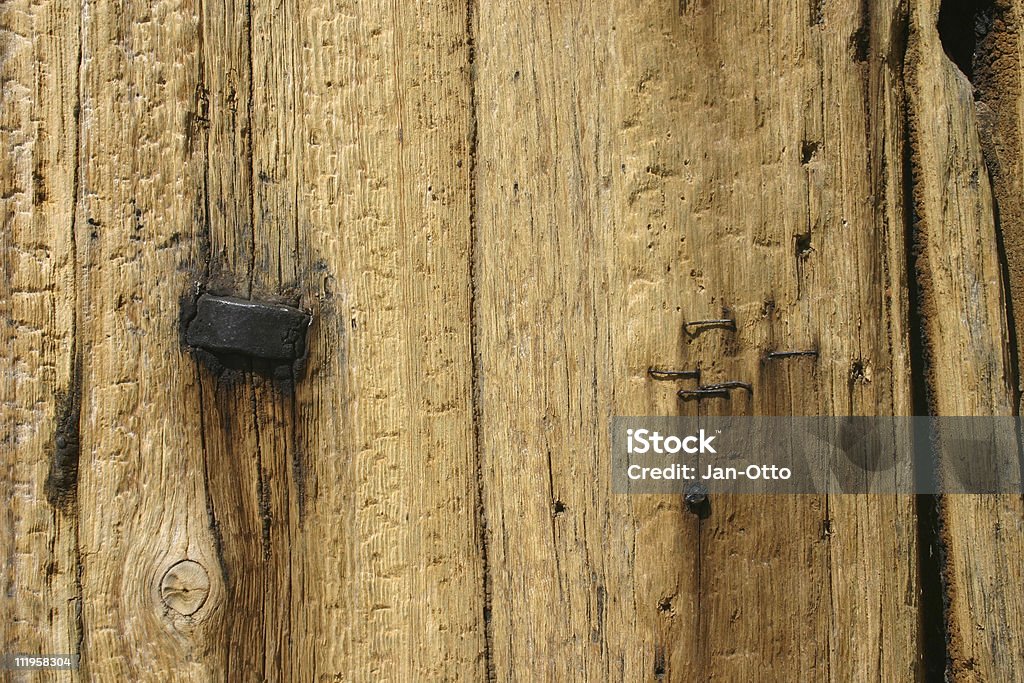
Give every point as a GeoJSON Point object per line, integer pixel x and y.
{"type": "Point", "coordinates": [142, 507]}
{"type": "Point", "coordinates": [673, 163]}
{"type": "Point", "coordinates": [392, 560]}
{"type": "Point", "coordinates": [40, 607]}
{"type": "Point", "coordinates": [971, 360]}
{"type": "Point", "coordinates": [329, 532]}
{"type": "Point", "coordinates": [352, 549]}
{"type": "Point", "coordinates": [500, 215]}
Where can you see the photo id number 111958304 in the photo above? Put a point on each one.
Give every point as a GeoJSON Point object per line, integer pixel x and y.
{"type": "Point", "coordinates": [37, 662]}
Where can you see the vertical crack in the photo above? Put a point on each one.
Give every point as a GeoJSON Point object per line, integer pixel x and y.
{"type": "Point", "coordinates": [474, 258]}
{"type": "Point", "coordinates": [934, 650]}
{"type": "Point", "coordinates": [205, 249]}
{"type": "Point", "coordinates": [930, 550]}
{"type": "Point", "coordinates": [211, 510]}
{"type": "Point", "coordinates": [250, 151]}
{"type": "Point", "coordinates": [76, 360]}
{"type": "Point", "coordinates": [62, 481]}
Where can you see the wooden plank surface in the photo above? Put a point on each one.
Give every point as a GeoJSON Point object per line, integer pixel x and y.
{"type": "Point", "coordinates": [965, 284]}
{"type": "Point", "coordinates": [499, 216]}
{"type": "Point", "coordinates": [38, 180]}
{"type": "Point", "coordinates": [392, 565]}
{"type": "Point", "coordinates": [234, 526]}
{"type": "Point", "coordinates": [722, 161]}
{"type": "Point", "coordinates": [141, 504]}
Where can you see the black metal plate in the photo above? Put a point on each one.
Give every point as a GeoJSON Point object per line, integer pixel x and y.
{"type": "Point", "coordinates": [224, 324]}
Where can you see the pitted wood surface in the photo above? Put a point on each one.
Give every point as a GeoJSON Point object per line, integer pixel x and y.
{"type": "Point", "coordinates": [499, 215]}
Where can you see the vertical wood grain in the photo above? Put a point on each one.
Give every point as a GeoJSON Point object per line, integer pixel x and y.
{"type": "Point", "coordinates": [391, 559]}
{"type": "Point", "coordinates": [667, 163]}
{"type": "Point", "coordinates": [346, 505]}
{"type": "Point", "coordinates": [142, 507]}
{"type": "Point", "coordinates": [41, 600]}
{"type": "Point", "coordinates": [967, 333]}
{"type": "Point", "coordinates": [499, 215]}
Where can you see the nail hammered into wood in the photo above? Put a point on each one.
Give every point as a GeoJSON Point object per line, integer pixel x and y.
{"type": "Point", "coordinates": [696, 499]}
{"type": "Point", "coordinates": [727, 323]}
{"type": "Point", "coordinates": [775, 355]}
{"type": "Point", "coordinates": [720, 390]}
{"type": "Point", "coordinates": [726, 386]}
{"type": "Point", "coordinates": [696, 494]}
{"type": "Point", "coordinates": [697, 394]}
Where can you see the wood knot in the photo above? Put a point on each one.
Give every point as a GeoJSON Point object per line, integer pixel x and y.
{"type": "Point", "coordinates": [185, 587]}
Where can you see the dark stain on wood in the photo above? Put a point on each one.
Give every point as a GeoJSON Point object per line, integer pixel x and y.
{"type": "Point", "coordinates": [62, 482]}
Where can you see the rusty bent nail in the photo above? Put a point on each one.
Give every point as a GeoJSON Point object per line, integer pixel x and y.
{"type": "Point", "coordinates": [773, 355]}
{"type": "Point", "coordinates": [657, 373]}
{"type": "Point", "coordinates": [718, 322]}
{"type": "Point", "coordinates": [720, 390]}
{"type": "Point", "coordinates": [728, 385]}
{"type": "Point", "coordinates": [694, 394]}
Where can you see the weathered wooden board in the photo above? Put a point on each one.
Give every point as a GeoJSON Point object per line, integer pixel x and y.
{"type": "Point", "coordinates": [39, 611]}
{"type": "Point", "coordinates": [333, 527]}
{"type": "Point", "coordinates": [392, 566]}
{"type": "Point", "coordinates": [499, 214]}
{"type": "Point", "coordinates": [670, 164]}
{"type": "Point", "coordinates": [965, 283]}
